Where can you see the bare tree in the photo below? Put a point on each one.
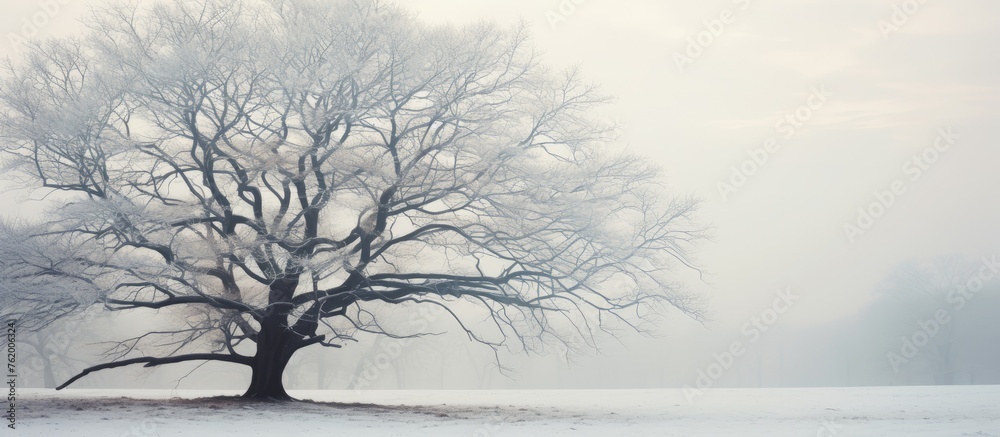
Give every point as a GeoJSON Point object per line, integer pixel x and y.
{"type": "Point", "coordinates": [283, 174]}
{"type": "Point", "coordinates": [51, 350]}
{"type": "Point", "coordinates": [918, 290]}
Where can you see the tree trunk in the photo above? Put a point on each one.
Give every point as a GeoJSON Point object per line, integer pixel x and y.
{"type": "Point", "coordinates": [274, 350]}
{"type": "Point", "coordinates": [321, 371]}
{"type": "Point", "coordinates": [50, 378]}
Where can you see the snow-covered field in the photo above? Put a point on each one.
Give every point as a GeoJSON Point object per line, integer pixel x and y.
{"type": "Point", "coordinates": [842, 412]}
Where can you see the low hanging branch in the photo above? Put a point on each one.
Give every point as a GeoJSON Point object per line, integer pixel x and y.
{"type": "Point", "coordinates": [151, 362]}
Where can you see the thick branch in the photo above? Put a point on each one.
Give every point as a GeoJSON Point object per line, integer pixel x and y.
{"type": "Point", "coordinates": [153, 361]}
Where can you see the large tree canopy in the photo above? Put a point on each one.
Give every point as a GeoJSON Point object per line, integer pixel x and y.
{"type": "Point", "coordinates": [289, 173]}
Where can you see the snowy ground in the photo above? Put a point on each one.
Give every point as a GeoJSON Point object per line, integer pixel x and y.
{"type": "Point", "coordinates": [841, 412]}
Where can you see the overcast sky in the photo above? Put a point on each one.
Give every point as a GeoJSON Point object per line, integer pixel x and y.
{"type": "Point", "coordinates": [889, 80]}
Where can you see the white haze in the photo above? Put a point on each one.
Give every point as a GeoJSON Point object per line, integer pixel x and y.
{"type": "Point", "coordinates": [784, 228]}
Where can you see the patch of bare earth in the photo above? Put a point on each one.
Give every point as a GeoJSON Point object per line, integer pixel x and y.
{"type": "Point", "coordinates": [123, 407]}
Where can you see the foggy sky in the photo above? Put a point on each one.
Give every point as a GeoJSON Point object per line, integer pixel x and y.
{"type": "Point", "coordinates": [783, 228]}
